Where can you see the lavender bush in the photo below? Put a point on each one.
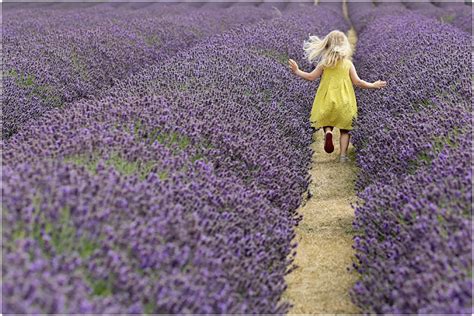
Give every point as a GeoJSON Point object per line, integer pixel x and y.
{"type": "Point", "coordinates": [412, 139]}
{"type": "Point", "coordinates": [334, 5]}
{"type": "Point", "coordinates": [458, 15]}
{"type": "Point", "coordinates": [53, 58]}
{"type": "Point", "coordinates": [173, 191]}
{"type": "Point", "coordinates": [421, 60]}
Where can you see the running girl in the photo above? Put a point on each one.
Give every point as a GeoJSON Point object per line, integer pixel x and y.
{"type": "Point", "coordinates": [335, 103]}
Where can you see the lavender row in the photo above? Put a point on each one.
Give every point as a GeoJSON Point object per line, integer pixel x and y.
{"type": "Point", "coordinates": [456, 14]}
{"type": "Point", "coordinates": [53, 58]}
{"type": "Point", "coordinates": [422, 63]}
{"type": "Point", "coordinates": [173, 192]}
{"type": "Point", "coordinates": [414, 228]}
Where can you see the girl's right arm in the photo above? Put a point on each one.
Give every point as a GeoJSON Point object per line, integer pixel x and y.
{"type": "Point", "coordinates": [364, 84]}
{"type": "Point", "coordinates": [311, 76]}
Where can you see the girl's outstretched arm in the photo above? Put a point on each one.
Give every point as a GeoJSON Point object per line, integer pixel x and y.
{"type": "Point", "coordinates": [364, 84]}
{"type": "Point", "coordinates": [313, 75]}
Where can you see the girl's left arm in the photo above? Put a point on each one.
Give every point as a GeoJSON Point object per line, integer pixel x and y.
{"type": "Point", "coordinates": [313, 75]}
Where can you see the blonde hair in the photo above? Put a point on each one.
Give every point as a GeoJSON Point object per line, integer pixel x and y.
{"type": "Point", "coordinates": [328, 51]}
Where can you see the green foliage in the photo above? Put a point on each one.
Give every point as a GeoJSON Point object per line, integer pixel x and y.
{"type": "Point", "coordinates": [122, 165]}
{"type": "Point", "coordinates": [173, 140]}
{"type": "Point", "coordinates": [152, 40]}
{"type": "Point", "coordinates": [196, 31]}
{"type": "Point", "coordinates": [247, 93]}
{"type": "Point", "coordinates": [64, 236]}
{"type": "Point", "coordinates": [65, 240]}
{"type": "Point", "coordinates": [79, 65]}
{"type": "Point", "coordinates": [89, 161]}
{"type": "Point", "coordinates": [267, 94]}
{"type": "Point", "coordinates": [447, 18]}
{"type": "Point", "coordinates": [62, 233]}
{"type": "Point", "coordinates": [87, 247]}
{"type": "Point", "coordinates": [422, 104]}
{"type": "Point", "coordinates": [183, 87]}
{"type": "Point", "coordinates": [447, 94]}
{"type": "Point", "coordinates": [196, 157]}
{"type": "Point", "coordinates": [282, 58]}
{"type": "Point", "coordinates": [102, 287]}
{"type": "Point", "coordinates": [438, 143]}
{"type": "Point", "coordinates": [125, 167]}
{"type": "Point", "coordinates": [149, 307]}
{"type": "Point", "coordinates": [28, 81]}
{"type": "Point", "coordinates": [351, 154]}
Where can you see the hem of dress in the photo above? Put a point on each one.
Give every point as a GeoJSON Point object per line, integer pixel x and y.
{"type": "Point", "coordinates": [317, 125]}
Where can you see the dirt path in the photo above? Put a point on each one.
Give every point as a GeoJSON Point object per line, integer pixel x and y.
{"type": "Point", "coordinates": [321, 283]}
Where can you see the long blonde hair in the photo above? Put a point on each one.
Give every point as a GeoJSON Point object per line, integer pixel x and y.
{"type": "Point", "coordinates": [328, 51]}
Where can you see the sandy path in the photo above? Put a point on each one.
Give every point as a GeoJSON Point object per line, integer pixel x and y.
{"type": "Point", "coordinates": [322, 281]}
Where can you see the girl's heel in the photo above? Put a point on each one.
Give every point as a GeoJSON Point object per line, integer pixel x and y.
{"type": "Point", "coordinates": [328, 145]}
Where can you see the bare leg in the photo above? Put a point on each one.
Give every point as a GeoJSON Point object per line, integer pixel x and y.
{"type": "Point", "coordinates": [327, 128]}
{"type": "Point", "coordinates": [344, 141]}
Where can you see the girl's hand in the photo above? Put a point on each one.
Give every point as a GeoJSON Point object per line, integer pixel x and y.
{"type": "Point", "coordinates": [293, 65]}
{"type": "Point", "coordinates": [379, 84]}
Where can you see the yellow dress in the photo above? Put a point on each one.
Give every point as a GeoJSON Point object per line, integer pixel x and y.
{"type": "Point", "coordinates": [335, 103]}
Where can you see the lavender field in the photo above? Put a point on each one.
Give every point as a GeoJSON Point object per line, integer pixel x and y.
{"type": "Point", "coordinates": [154, 157]}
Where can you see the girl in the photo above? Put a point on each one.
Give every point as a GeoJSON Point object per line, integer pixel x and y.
{"type": "Point", "coordinates": [334, 104]}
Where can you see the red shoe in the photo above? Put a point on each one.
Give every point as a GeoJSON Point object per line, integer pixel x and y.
{"type": "Point", "coordinates": [328, 146]}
